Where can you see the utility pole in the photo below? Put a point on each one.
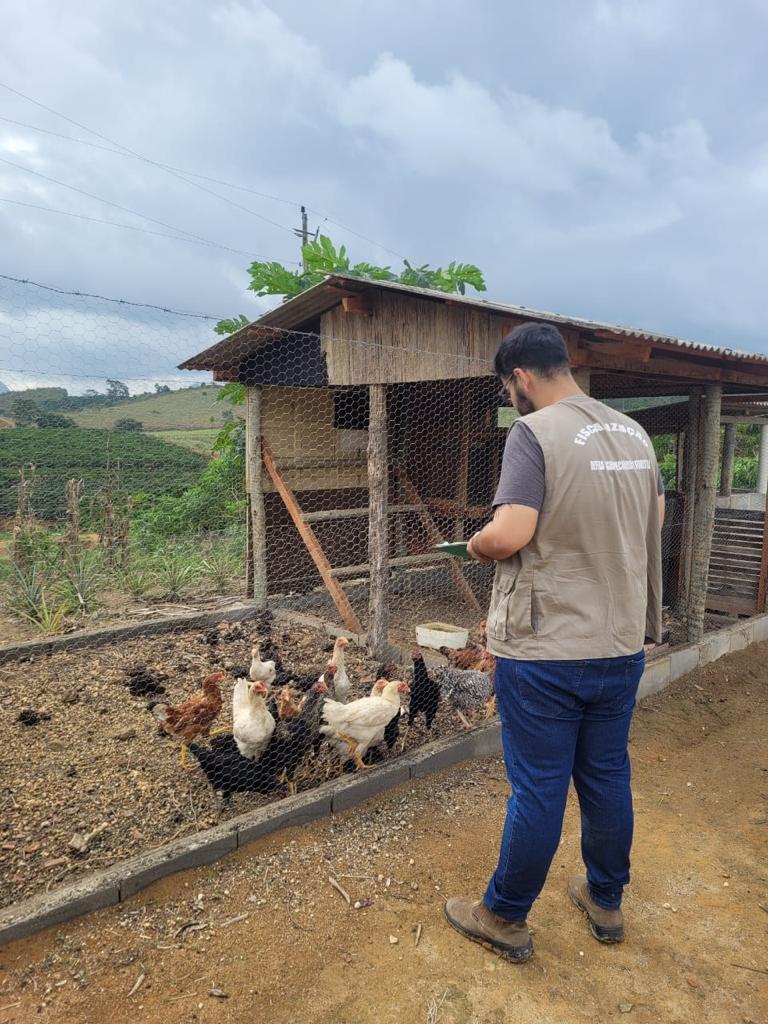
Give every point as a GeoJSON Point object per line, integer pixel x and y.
{"type": "Point", "coordinates": [303, 233]}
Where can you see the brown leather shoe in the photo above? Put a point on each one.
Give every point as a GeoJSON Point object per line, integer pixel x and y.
{"type": "Point", "coordinates": [511, 939]}
{"type": "Point", "coordinates": [606, 925]}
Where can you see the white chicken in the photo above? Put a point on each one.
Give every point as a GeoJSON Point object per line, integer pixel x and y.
{"type": "Point", "coordinates": [352, 728]}
{"type": "Point", "coordinates": [261, 671]}
{"type": "Point", "coordinates": [252, 724]}
{"type": "Point", "coordinates": [342, 684]}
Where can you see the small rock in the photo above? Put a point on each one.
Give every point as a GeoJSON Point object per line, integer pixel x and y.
{"type": "Point", "coordinates": [626, 1007]}
{"type": "Point", "coordinates": [57, 862]}
{"type": "Point", "coordinates": [667, 906]}
{"type": "Point", "coordinates": [217, 993]}
{"type": "Point", "coordinates": [31, 717]}
{"type": "Point", "coordinates": [126, 734]}
{"type": "Point", "coordinates": [393, 940]}
{"type": "Point", "coordinates": [78, 843]}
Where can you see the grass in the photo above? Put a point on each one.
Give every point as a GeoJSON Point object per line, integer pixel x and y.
{"type": "Point", "coordinates": [183, 410]}
{"type": "Point", "coordinates": [197, 440]}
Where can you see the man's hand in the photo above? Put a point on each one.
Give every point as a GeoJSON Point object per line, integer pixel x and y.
{"type": "Point", "coordinates": [475, 554]}
{"type": "Point", "coordinates": [511, 528]}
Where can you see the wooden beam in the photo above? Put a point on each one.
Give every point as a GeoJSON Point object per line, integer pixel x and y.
{"type": "Point", "coordinates": [327, 515]}
{"type": "Point", "coordinates": [462, 479]}
{"type": "Point", "coordinates": [683, 369]}
{"type": "Point", "coordinates": [257, 521]}
{"type": "Point", "coordinates": [400, 562]}
{"type": "Point", "coordinates": [704, 512]}
{"type": "Point", "coordinates": [626, 349]}
{"type": "Point", "coordinates": [248, 539]}
{"type": "Point", "coordinates": [726, 463]}
{"type": "Point", "coordinates": [435, 537]}
{"type": "Point", "coordinates": [690, 456]}
{"type": "Point", "coordinates": [378, 524]}
{"type": "Point", "coordinates": [312, 544]}
{"type": "Point", "coordinates": [357, 304]}
{"type": "Point", "coordinates": [448, 507]}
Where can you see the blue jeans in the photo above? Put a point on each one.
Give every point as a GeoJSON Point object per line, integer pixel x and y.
{"type": "Point", "coordinates": [561, 719]}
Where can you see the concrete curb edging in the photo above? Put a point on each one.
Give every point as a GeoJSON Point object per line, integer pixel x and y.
{"type": "Point", "coordinates": [121, 881]}
{"type": "Point", "coordinates": [109, 634]}
{"type": "Point", "coordinates": [662, 671]}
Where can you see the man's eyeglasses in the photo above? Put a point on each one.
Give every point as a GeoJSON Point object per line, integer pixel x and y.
{"type": "Point", "coordinates": [503, 390]}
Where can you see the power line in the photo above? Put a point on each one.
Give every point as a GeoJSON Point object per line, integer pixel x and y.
{"type": "Point", "coordinates": [183, 173]}
{"type": "Point", "coordinates": [108, 202]}
{"type": "Point", "coordinates": [146, 231]}
{"type": "Point", "coordinates": [139, 156]}
{"type": "Point", "coordinates": [106, 298]}
{"type": "Point", "coordinates": [170, 167]}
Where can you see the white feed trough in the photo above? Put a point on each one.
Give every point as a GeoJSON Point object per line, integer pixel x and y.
{"type": "Point", "coordinates": [441, 634]}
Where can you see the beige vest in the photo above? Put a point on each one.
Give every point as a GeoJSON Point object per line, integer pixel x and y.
{"type": "Point", "coordinates": [589, 583]}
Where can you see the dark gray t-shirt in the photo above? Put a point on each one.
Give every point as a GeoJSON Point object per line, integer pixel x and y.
{"type": "Point", "coordinates": [522, 471]}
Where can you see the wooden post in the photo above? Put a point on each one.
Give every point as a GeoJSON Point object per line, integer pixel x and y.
{"type": "Point", "coordinates": [435, 537]}
{"type": "Point", "coordinates": [256, 579]}
{"type": "Point", "coordinates": [462, 481]}
{"type": "Point", "coordinates": [704, 511]}
{"type": "Point", "coordinates": [726, 464]}
{"type": "Point", "coordinates": [378, 529]}
{"type": "Point", "coordinates": [690, 456]}
{"type": "Point", "coordinates": [581, 376]}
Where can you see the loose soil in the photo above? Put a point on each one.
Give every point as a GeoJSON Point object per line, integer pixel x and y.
{"type": "Point", "coordinates": [263, 936]}
{"type": "Point", "coordinates": [100, 762]}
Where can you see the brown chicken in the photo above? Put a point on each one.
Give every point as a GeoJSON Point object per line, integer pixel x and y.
{"type": "Point", "coordinates": [195, 716]}
{"type": "Point", "coordinates": [465, 658]}
{"type": "Point", "coordinates": [288, 706]}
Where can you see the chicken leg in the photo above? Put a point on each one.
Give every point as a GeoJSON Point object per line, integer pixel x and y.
{"type": "Point", "coordinates": [353, 749]}
{"type": "Point", "coordinates": [183, 755]}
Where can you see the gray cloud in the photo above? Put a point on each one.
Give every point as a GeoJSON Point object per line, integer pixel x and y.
{"type": "Point", "coordinates": [602, 159]}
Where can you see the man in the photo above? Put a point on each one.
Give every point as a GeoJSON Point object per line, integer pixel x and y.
{"type": "Point", "coordinates": [576, 541]}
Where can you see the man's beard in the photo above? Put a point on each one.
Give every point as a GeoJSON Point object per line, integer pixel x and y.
{"type": "Point", "coordinates": [522, 402]}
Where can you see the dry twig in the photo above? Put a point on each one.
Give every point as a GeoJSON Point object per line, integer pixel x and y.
{"type": "Point", "coordinates": [340, 889]}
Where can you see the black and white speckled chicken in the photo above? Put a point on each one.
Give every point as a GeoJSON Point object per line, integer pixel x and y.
{"type": "Point", "coordinates": [466, 691]}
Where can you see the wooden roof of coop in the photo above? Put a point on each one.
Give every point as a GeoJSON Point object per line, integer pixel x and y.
{"type": "Point", "coordinates": [349, 331]}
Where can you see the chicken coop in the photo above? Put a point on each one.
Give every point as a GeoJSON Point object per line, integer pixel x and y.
{"type": "Point", "coordinates": [375, 430]}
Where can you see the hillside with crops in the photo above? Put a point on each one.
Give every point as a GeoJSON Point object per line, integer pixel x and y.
{"type": "Point", "coordinates": [186, 409]}
{"type": "Point", "coordinates": [140, 464]}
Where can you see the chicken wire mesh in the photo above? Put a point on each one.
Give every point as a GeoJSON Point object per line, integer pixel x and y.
{"type": "Point", "coordinates": [144, 499]}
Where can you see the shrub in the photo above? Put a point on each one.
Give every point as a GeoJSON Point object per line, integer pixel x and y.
{"type": "Point", "coordinates": [51, 420]}
{"type": "Point", "coordinates": [126, 424]}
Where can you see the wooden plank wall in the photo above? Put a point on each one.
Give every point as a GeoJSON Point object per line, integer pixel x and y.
{"type": "Point", "coordinates": [406, 339]}
{"type": "Point", "coordinates": [734, 567]}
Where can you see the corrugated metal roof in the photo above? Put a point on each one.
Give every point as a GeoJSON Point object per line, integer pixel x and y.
{"type": "Point", "coordinates": [307, 306]}
{"type": "Point", "coordinates": [538, 314]}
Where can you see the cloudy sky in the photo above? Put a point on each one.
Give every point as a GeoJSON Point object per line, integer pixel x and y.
{"type": "Point", "coordinates": [605, 158]}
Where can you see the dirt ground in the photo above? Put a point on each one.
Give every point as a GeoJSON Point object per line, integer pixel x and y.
{"type": "Point", "coordinates": [263, 936]}
{"type": "Point", "coordinates": [97, 762]}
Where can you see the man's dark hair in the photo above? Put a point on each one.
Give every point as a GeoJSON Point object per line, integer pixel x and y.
{"type": "Point", "coordinates": [533, 346]}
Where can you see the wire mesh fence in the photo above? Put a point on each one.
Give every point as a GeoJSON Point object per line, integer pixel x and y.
{"type": "Point", "coordinates": [133, 492]}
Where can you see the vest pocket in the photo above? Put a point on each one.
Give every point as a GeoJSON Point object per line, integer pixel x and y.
{"type": "Point", "coordinates": [511, 613]}
{"type": "Point", "coordinates": [503, 589]}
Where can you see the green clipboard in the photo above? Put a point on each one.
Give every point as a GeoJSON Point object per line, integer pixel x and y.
{"type": "Point", "coordinates": [457, 549]}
